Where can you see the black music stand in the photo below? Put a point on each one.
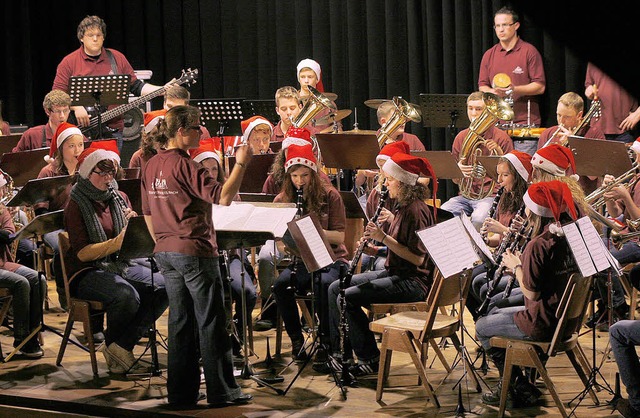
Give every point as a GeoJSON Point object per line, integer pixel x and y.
{"type": "Point", "coordinates": [8, 142]}
{"type": "Point", "coordinates": [222, 116]}
{"type": "Point", "coordinates": [490, 164]}
{"type": "Point", "coordinates": [36, 229]}
{"type": "Point", "coordinates": [24, 165]}
{"type": "Point", "coordinates": [257, 197]}
{"type": "Point", "coordinates": [41, 190]}
{"type": "Point", "coordinates": [131, 187]}
{"type": "Point", "coordinates": [443, 163]}
{"type": "Point", "coordinates": [352, 206]}
{"type": "Point", "coordinates": [98, 91]}
{"type": "Point", "coordinates": [264, 108]}
{"type": "Point", "coordinates": [595, 157]}
{"type": "Point", "coordinates": [444, 111]}
{"type": "Point", "coordinates": [258, 167]}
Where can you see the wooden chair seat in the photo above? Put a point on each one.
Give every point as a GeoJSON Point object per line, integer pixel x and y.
{"type": "Point", "coordinates": [414, 322]}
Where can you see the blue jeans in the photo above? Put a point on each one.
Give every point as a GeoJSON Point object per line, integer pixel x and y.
{"type": "Point", "coordinates": [127, 301]}
{"type": "Point", "coordinates": [197, 328]}
{"type": "Point", "coordinates": [477, 209]}
{"type": "Point", "coordinates": [499, 323]}
{"type": "Point", "coordinates": [285, 291]}
{"type": "Point", "coordinates": [365, 289]}
{"type": "Point", "coordinates": [266, 271]}
{"type": "Point", "coordinates": [624, 337]}
{"type": "Point", "coordinates": [28, 298]}
{"type": "Point", "coordinates": [526, 145]}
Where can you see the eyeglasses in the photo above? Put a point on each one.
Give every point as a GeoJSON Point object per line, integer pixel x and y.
{"type": "Point", "coordinates": [60, 111]}
{"type": "Point", "coordinates": [503, 25]}
{"type": "Point", "coordinates": [111, 173]}
{"type": "Point", "coordinates": [195, 127]}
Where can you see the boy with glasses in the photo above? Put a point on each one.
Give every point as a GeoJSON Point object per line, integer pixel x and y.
{"type": "Point", "coordinates": [56, 105]}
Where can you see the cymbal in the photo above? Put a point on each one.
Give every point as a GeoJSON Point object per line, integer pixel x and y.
{"type": "Point", "coordinates": [330, 96]}
{"type": "Point", "coordinates": [339, 115]}
{"type": "Point", "coordinates": [375, 103]}
{"type": "Point", "coordinates": [360, 132]}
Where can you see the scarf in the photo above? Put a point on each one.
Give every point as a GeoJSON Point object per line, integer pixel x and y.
{"type": "Point", "coordinates": [84, 193]}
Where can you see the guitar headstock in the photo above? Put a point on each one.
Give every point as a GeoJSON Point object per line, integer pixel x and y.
{"type": "Point", "coordinates": [188, 76]}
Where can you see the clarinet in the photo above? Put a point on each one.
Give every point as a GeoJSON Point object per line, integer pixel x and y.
{"type": "Point", "coordinates": [117, 197]}
{"type": "Point", "coordinates": [519, 244]}
{"type": "Point", "coordinates": [495, 273]}
{"type": "Point", "coordinates": [294, 259]}
{"type": "Point", "coordinates": [494, 207]}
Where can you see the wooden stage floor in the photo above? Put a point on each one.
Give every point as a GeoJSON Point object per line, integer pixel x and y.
{"type": "Point", "coordinates": [41, 389]}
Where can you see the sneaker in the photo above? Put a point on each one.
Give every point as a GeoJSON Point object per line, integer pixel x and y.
{"type": "Point", "coordinates": [112, 365]}
{"type": "Point", "coordinates": [624, 407]}
{"type": "Point", "coordinates": [98, 338]}
{"type": "Point", "coordinates": [365, 369]}
{"type": "Point", "coordinates": [331, 365]}
{"type": "Point", "coordinates": [120, 356]}
{"type": "Point", "coordinates": [263, 325]}
{"type": "Point", "coordinates": [31, 349]}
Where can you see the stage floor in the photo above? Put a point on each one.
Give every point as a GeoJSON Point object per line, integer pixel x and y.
{"type": "Point", "coordinates": [40, 386]}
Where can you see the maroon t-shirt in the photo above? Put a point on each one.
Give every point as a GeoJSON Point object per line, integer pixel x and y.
{"type": "Point", "coordinates": [408, 219]}
{"type": "Point", "coordinates": [79, 236]}
{"type": "Point", "coordinates": [615, 102]}
{"type": "Point", "coordinates": [547, 263]}
{"type": "Point", "coordinates": [592, 133]}
{"type": "Point", "coordinates": [332, 216]}
{"type": "Point", "coordinates": [523, 64]}
{"type": "Point", "coordinates": [32, 138]}
{"type": "Point", "coordinates": [178, 193]}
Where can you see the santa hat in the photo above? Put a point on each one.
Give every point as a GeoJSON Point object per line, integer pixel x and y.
{"type": "Point", "coordinates": [209, 148]}
{"type": "Point", "coordinates": [97, 151]}
{"type": "Point", "coordinates": [301, 154]}
{"type": "Point", "coordinates": [64, 131]}
{"type": "Point", "coordinates": [297, 136]}
{"type": "Point", "coordinates": [550, 199]}
{"type": "Point", "coordinates": [152, 119]}
{"type": "Point", "coordinates": [390, 149]}
{"type": "Point", "coordinates": [521, 161]}
{"type": "Point", "coordinates": [636, 145]}
{"type": "Point", "coordinates": [3, 178]}
{"type": "Point", "coordinates": [408, 168]}
{"type": "Point", "coordinates": [554, 159]}
{"type": "Point", "coordinates": [309, 63]}
{"type": "Point", "coordinates": [249, 124]}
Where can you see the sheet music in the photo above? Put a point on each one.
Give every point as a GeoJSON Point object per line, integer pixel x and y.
{"type": "Point", "coordinates": [579, 249]}
{"type": "Point", "coordinates": [449, 246]}
{"type": "Point", "coordinates": [247, 217]}
{"type": "Point", "coordinates": [594, 243]}
{"type": "Point", "coordinates": [476, 237]}
{"type": "Point", "coordinates": [314, 240]}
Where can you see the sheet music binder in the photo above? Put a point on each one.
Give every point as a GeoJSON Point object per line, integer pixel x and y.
{"type": "Point", "coordinates": [312, 243]}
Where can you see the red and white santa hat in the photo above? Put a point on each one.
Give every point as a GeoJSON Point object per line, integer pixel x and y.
{"type": "Point", "coordinates": [97, 151]}
{"type": "Point", "coordinates": [301, 154]}
{"type": "Point", "coordinates": [208, 148]}
{"type": "Point", "coordinates": [249, 124]}
{"type": "Point", "coordinates": [390, 149]}
{"type": "Point", "coordinates": [555, 159]}
{"type": "Point", "coordinates": [408, 168]}
{"type": "Point", "coordinates": [152, 119]}
{"type": "Point", "coordinates": [65, 130]}
{"type": "Point", "coordinates": [297, 136]}
{"type": "Point", "coordinates": [309, 63]}
{"type": "Point", "coordinates": [521, 161]}
{"type": "Point", "coordinates": [550, 199]}
{"type": "Point", "coordinates": [636, 145]}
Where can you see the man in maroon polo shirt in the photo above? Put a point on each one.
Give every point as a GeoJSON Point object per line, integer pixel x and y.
{"type": "Point", "coordinates": [56, 105]}
{"type": "Point", "coordinates": [518, 59]}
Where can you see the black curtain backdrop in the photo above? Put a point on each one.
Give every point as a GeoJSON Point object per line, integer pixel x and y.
{"type": "Point", "coordinates": [367, 49]}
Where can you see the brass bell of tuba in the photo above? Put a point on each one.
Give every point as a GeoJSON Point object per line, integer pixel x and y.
{"type": "Point", "coordinates": [316, 103]}
{"type": "Point", "coordinates": [403, 112]}
{"type": "Point", "coordinates": [495, 109]}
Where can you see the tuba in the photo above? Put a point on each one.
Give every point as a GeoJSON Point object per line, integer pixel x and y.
{"type": "Point", "coordinates": [495, 109]}
{"type": "Point", "coordinates": [316, 103]}
{"type": "Point", "coordinates": [404, 111]}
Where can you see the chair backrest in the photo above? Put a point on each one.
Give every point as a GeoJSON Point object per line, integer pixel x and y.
{"type": "Point", "coordinates": [571, 309]}
{"type": "Point", "coordinates": [448, 291]}
{"type": "Point", "coordinates": [64, 245]}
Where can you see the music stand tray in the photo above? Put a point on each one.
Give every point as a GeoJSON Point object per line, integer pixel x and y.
{"type": "Point", "coordinates": [222, 116]}
{"type": "Point", "coordinates": [443, 163]}
{"type": "Point", "coordinates": [23, 166]}
{"type": "Point", "coordinates": [352, 205]}
{"type": "Point", "coordinates": [8, 142]}
{"type": "Point", "coordinates": [137, 241]}
{"type": "Point", "coordinates": [444, 110]}
{"type": "Point", "coordinates": [595, 157]}
{"type": "Point", "coordinates": [256, 173]}
{"type": "Point", "coordinates": [490, 163]}
{"type": "Point", "coordinates": [40, 225]}
{"type": "Point", "coordinates": [264, 108]}
{"type": "Point", "coordinates": [256, 197]}
{"type": "Point", "coordinates": [348, 151]}
{"type": "Point", "coordinates": [41, 190]}
{"type": "Point", "coordinates": [131, 187]}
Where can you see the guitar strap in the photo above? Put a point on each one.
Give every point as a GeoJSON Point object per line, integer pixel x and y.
{"type": "Point", "coordinates": [44, 136]}
{"type": "Point", "coordinates": [112, 60]}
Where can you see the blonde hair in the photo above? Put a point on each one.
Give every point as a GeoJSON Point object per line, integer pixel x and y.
{"type": "Point", "coordinates": [287, 92]}
{"type": "Point", "coordinates": [56, 98]}
{"type": "Point", "coordinates": [576, 190]}
{"type": "Point", "coordinates": [385, 110]}
{"type": "Point", "coordinates": [572, 100]}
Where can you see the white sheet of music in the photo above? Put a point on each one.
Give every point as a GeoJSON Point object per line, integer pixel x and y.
{"type": "Point", "coordinates": [475, 236]}
{"type": "Point", "coordinates": [247, 217]}
{"type": "Point", "coordinates": [449, 246]}
{"type": "Point", "coordinates": [594, 243]}
{"type": "Point", "coordinates": [579, 249]}
{"type": "Point", "coordinates": [314, 240]}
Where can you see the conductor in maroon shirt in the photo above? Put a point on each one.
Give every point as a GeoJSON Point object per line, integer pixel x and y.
{"type": "Point", "coordinates": [177, 198]}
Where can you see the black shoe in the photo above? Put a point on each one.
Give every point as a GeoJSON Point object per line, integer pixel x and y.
{"type": "Point", "coordinates": [32, 349]}
{"type": "Point", "coordinates": [598, 317]}
{"type": "Point", "coordinates": [187, 404]}
{"type": "Point", "coordinates": [263, 325]}
{"type": "Point", "coordinates": [365, 369]}
{"type": "Point", "coordinates": [243, 399]}
{"type": "Point", "coordinates": [624, 407]}
{"type": "Point", "coordinates": [525, 393]}
{"type": "Point", "coordinates": [298, 353]}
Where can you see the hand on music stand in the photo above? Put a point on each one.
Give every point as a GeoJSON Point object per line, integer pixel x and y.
{"type": "Point", "coordinates": [97, 91]}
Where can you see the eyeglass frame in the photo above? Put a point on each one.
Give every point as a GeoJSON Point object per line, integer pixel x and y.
{"type": "Point", "coordinates": [503, 25]}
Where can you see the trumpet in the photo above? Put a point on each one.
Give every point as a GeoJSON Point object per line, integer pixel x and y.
{"type": "Point", "coordinates": [596, 198]}
{"type": "Point", "coordinates": [618, 239]}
